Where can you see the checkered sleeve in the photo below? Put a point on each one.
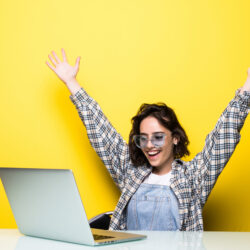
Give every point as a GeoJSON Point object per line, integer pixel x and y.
{"type": "Point", "coordinates": [108, 144]}
{"type": "Point", "coordinates": [220, 144]}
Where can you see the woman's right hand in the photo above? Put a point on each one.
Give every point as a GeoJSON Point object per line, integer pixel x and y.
{"type": "Point", "coordinates": [64, 71]}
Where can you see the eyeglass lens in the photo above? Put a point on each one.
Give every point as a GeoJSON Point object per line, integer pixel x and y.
{"type": "Point", "coordinates": [157, 140]}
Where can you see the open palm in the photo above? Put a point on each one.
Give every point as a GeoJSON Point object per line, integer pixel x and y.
{"type": "Point", "coordinates": [62, 68]}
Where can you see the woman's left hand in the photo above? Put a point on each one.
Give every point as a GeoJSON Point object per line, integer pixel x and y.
{"type": "Point", "coordinates": [246, 86]}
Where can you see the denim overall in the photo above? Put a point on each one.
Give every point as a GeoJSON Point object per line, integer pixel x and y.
{"type": "Point", "coordinates": [153, 207]}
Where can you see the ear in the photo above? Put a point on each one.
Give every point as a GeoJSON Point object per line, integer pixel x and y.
{"type": "Point", "coordinates": [175, 140]}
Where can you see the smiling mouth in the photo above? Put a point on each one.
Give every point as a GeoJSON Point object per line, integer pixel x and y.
{"type": "Point", "coordinates": [152, 154]}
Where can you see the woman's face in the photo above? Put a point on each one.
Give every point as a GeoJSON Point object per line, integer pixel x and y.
{"type": "Point", "coordinates": [159, 157]}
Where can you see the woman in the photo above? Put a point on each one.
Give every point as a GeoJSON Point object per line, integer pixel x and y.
{"type": "Point", "coordinates": [158, 190]}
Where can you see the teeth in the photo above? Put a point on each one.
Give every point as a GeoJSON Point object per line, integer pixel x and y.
{"type": "Point", "coordinates": [153, 153]}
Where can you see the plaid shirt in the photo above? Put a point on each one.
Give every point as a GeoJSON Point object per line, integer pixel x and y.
{"type": "Point", "coordinates": [191, 181]}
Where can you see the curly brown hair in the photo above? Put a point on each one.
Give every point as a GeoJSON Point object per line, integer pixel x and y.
{"type": "Point", "coordinates": [167, 117]}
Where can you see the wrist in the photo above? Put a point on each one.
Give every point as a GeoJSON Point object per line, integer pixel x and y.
{"type": "Point", "coordinates": [246, 86]}
{"type": "Point", "coordinates": [70, 82]}
{"type": "Point", "coordinates": [73, 86]}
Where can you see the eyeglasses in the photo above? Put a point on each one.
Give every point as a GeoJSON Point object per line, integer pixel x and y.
{"type": "Point", "coordinates": [158, 140]}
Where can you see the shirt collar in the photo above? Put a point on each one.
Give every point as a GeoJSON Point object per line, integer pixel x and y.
{"type": "Point", "coordinates": [176, 164]}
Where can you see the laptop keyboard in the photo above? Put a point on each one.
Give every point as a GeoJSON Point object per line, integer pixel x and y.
{"type": "Point", "coordinates": [101, 237]}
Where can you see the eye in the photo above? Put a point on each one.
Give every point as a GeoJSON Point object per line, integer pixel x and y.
{"type": "Point", "coordinates": [159, 136]}
{"type": "Point", "coordinates": [143, 138]}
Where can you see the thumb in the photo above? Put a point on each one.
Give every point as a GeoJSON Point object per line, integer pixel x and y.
{"type": "Point", "coordinates": [77, 62]}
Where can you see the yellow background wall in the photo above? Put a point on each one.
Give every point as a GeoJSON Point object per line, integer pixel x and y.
{"type": "Point", "coordinates": [192, 55]}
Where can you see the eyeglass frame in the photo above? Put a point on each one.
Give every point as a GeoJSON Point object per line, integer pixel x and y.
{"type": "Point", "coordinates": [151, 140]}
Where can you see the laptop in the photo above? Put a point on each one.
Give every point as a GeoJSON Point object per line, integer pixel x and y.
{"type": "Point", "coordinates": [46, 203]}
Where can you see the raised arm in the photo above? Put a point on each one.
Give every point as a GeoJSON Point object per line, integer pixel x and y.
{"type": "Point", "coordinates": [108, 144]}
{"type": "Point", "coordinates": [220, 143]}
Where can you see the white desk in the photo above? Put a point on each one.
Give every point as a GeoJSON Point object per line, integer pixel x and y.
{"type": "Point", "coordinates": [11, 239]}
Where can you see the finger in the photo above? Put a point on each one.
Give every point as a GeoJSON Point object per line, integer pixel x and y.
{"type": "Point", "coordinates": [77, 62]}
{"type": "Point", "coordinates": [56, 57]}
{"type": "Point", "coordinates": [52, 60]}
{"type": "Point", "coordinates": [64, 55]}
{"type": "Point", "coordinates": [50, 66]}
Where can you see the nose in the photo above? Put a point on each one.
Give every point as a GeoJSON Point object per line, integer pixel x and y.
{"type": "Point", "coordinates": [149, 144]}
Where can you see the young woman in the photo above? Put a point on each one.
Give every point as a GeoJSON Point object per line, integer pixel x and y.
{"type": "Point", "coordinates": [158, 190]}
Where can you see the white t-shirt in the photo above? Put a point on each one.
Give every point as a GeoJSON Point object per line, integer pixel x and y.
{"type": "Point", "coordinates": [158, 179]}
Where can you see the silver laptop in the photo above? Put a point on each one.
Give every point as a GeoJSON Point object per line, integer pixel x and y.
{"type": "Point", "coordinates": [46, 203]}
